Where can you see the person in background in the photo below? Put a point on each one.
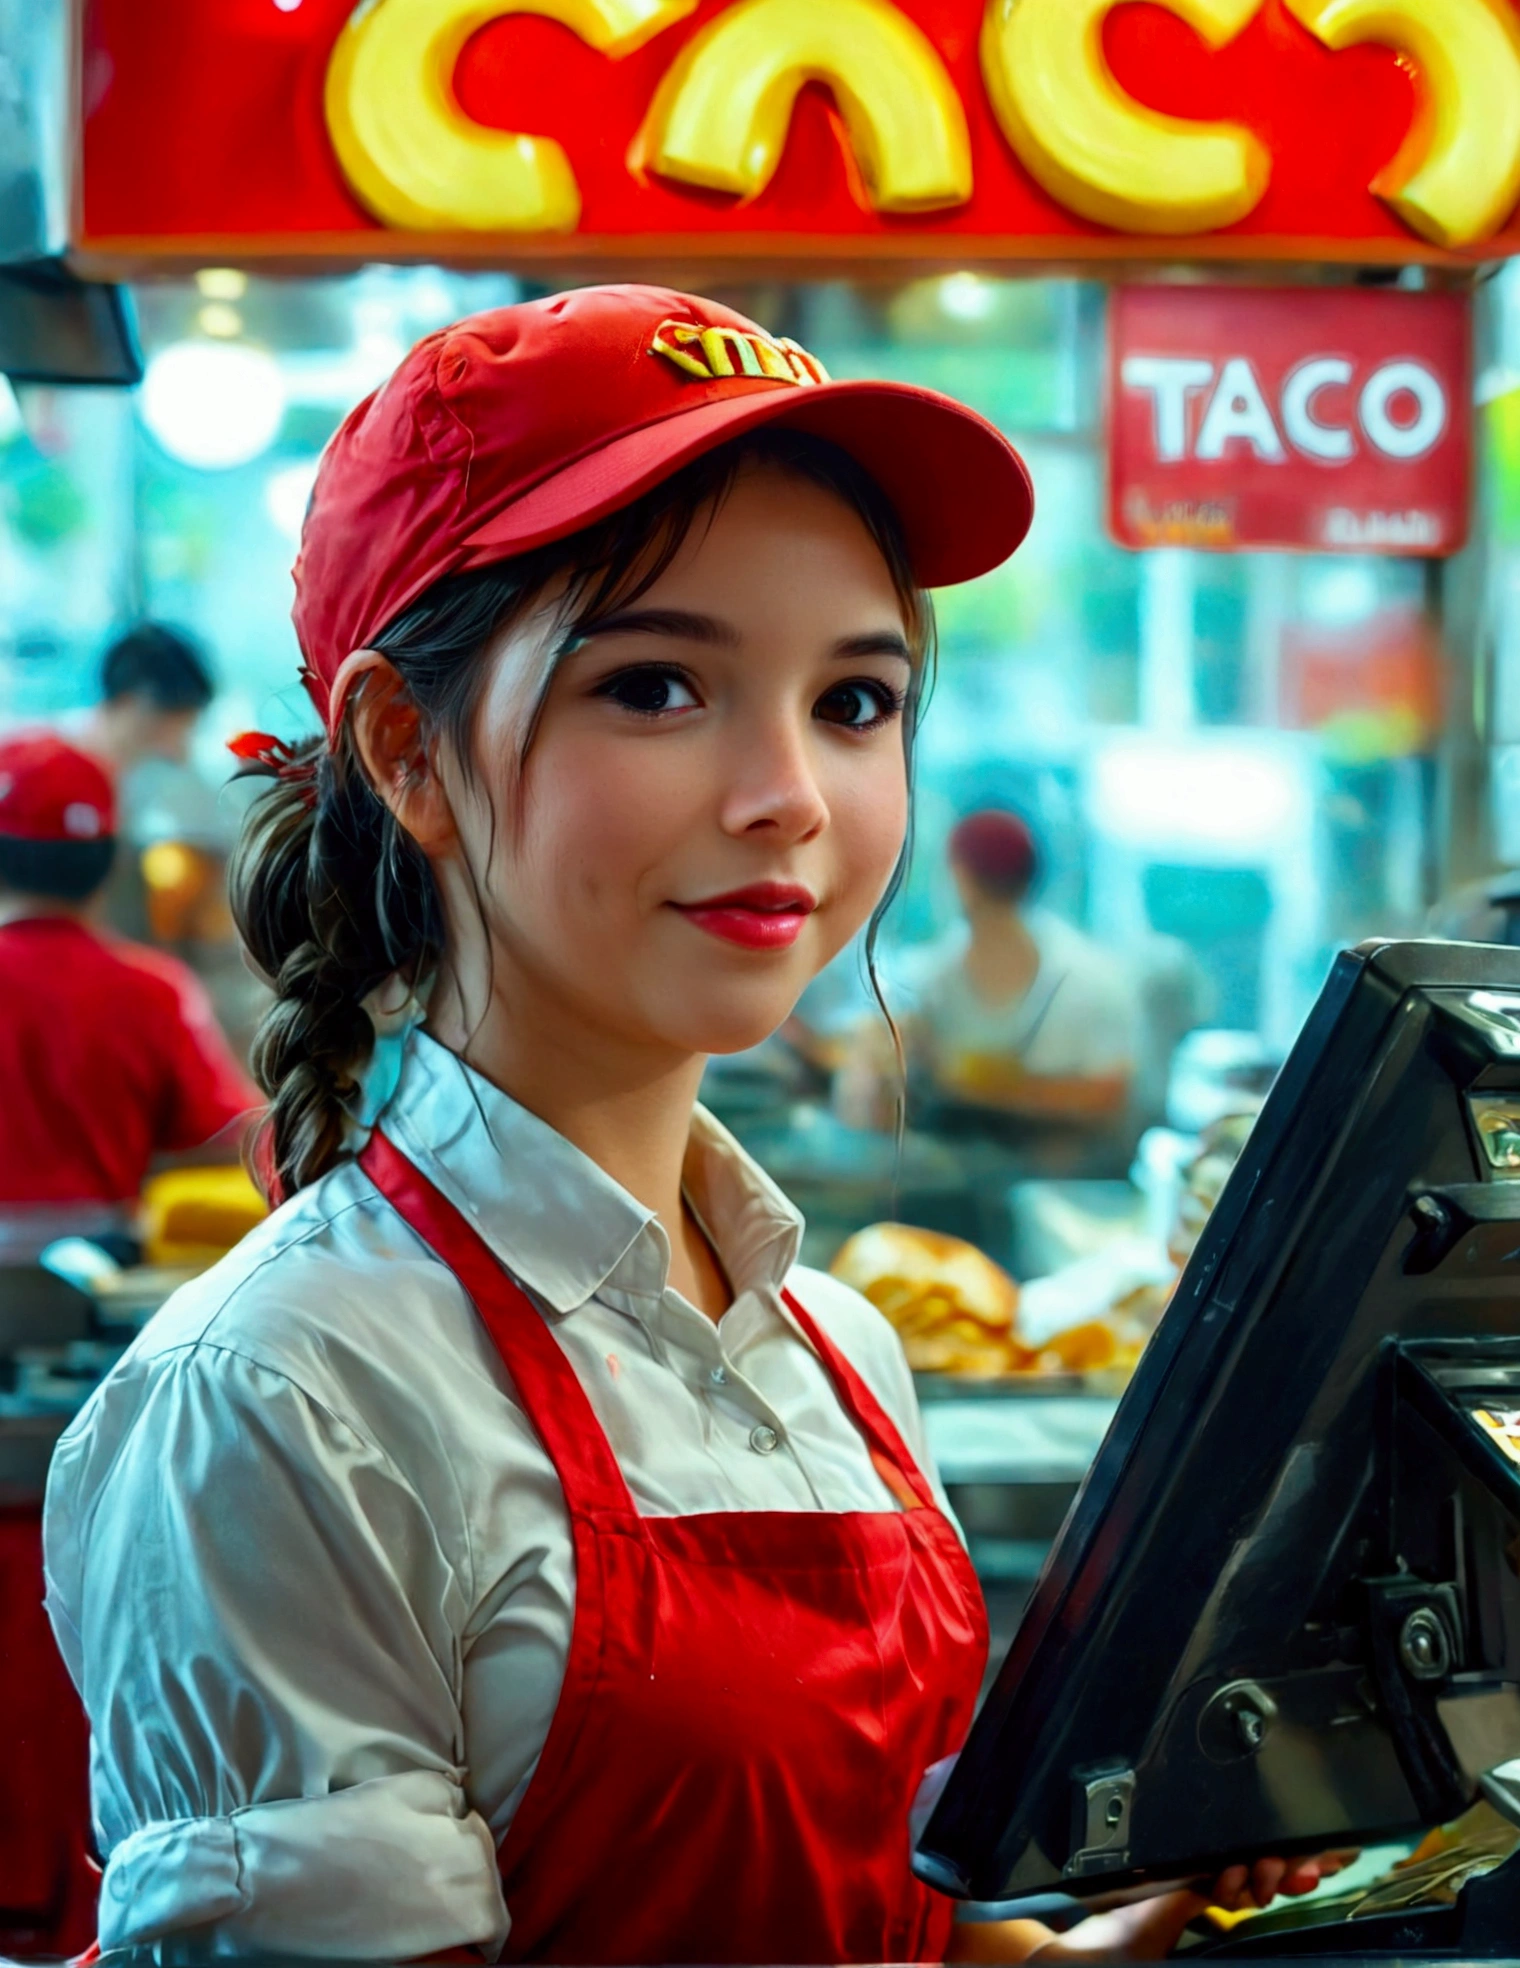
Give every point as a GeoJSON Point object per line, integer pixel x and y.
{"type": "Point", "coordinates": [155, 683]}
{"type": "Point", "coordinates": [109, 1053]}
{"type": "Point", "coordinates": [1027, 1017]}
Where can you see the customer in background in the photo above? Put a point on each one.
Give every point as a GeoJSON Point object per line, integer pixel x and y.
{"type": "Point", "coordinates": [155, 683]}
{"type": "Point", "coordinates": [1024, 1017]}
{"type": "Point", "coordinates": [109, 1053]}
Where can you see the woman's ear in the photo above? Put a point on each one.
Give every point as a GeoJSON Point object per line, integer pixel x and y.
{"type": "Point", "coordinates": [388, 737]}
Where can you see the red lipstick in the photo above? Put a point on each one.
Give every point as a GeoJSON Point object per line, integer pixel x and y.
{"type": "Point", "coordinates": [763, 916]}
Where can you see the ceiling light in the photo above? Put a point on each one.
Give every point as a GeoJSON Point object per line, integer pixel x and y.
{"type": "Point", "coordinates": [217, 318]}
{"type": "Point", "coordinates": [213, 404]}
{"type": "Point", "coordinates": [967, 296]}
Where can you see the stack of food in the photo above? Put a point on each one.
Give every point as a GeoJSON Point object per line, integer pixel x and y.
{"type": "Point", "coordinates": [957, 1312]}
{"type": "Point", "coordinates": [953, 1307]}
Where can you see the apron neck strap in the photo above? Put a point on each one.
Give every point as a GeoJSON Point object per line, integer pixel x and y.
{"type": "Point", "coordinates": [889, 1454]}
{"type": "Point", "coordinates": [552, 1397]}
{"type": "Point", "coordinates": [557, 1406]}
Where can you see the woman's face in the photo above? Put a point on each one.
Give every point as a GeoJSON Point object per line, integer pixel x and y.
{"type": "Point", "coordinates": [716, 793]}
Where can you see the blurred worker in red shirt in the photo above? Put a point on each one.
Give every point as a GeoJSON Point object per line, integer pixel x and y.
{"type": "Point", "coordinates": [109, 1052]}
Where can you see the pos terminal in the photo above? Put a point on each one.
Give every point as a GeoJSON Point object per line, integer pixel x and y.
{"type": "Point", "coordinates": [1283, 1615]}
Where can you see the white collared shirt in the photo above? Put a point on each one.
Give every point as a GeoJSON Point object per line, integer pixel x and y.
{"type": "Point", "coordinates": [311, 1569]}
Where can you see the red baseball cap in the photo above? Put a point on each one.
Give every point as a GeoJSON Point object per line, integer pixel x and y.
{"type": "Point", "coordinates": [517, 427]}
{"type": "Point", "coordinates": [51, 792]}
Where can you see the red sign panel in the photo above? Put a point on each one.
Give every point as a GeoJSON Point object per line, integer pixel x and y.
{"type": "Point", "coordinates": [922, 130]}
{"type": "Point", "coordinates": [1330, 421]}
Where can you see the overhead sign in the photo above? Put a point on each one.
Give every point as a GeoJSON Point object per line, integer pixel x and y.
{"type": "Point", "coordinates": [1322, 419]}
{"type": "Point", "coordinates": [920, 130]}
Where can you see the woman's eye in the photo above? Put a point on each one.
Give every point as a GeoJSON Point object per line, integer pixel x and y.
{"type": "Point", "coordinates": [649, 690]}
{"type": "Point", "coordinates": [862, 704]}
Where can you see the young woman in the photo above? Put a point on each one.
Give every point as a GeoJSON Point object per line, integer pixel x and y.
{"type": "Point", "coordinates": [510, 1547]}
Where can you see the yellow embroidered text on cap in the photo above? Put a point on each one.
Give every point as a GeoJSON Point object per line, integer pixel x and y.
{"type": "Point", "coordinates": [714, 352]}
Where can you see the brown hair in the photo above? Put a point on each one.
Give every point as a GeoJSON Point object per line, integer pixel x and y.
{"type": "Point", "coordinates": [333, 897]}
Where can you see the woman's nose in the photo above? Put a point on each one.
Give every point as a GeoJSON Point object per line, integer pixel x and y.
{"type": "Point", "coordinates": [772, 786]}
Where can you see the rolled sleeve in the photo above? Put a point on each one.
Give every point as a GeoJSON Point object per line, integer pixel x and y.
{"type": "Point", "coordinates": [264, 1621]}
{"type": "Point", "coordinates": [257, 1880]}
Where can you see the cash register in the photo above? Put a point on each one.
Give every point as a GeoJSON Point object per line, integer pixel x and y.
{"type": "Point", "coordinates": [1283, 1615]}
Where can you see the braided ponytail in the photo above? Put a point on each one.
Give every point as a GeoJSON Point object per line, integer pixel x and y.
{"type": "Point", "coordinates": [333, 898]}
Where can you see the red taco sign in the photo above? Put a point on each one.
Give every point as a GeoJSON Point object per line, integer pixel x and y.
{"type": "Point", "coordinates": [883, 130]}
{"type": "Point", "coordinates": [1314, 419]}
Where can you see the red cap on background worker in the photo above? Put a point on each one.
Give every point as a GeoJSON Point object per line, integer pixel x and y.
{"type": "Point", "coordinates": [109, 1052]}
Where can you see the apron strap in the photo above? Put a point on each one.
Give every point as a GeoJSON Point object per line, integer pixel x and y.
{"type": "Point", "coordinates": [557, 1406]}
{"type": "Point", "coordinates": [893, 1464]}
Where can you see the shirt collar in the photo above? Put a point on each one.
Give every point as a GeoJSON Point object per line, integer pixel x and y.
{"type": "Point", "coordinates": [559, 1223]}
{"type": "Point", "coordinates": [754, 1228]}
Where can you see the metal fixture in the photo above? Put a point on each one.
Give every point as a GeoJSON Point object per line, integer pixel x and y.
{"type": "Point", "coordinates": [1423, 1646]}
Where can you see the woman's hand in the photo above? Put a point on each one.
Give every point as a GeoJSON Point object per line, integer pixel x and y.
{"type": "Point", "coordinates": [1147, 1930]}
{"type": "Point", "coordinates": [1239, 1887]}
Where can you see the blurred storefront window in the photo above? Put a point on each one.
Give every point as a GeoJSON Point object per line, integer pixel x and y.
{"type": "Point", "coordinates": [1232, 763]}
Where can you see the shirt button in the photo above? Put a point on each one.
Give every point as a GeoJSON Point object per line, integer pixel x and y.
{"type": "Point", "coordinates": [718, 1376]}
{"type": "Point", "coordinates": [763, 1438]}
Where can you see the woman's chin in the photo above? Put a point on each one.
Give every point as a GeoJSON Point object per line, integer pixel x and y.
{"type": "Point", "coordinates": [718, 1029]}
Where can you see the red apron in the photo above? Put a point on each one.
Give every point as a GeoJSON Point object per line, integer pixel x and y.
{"type": "Point", "coordinates": [751, 1697]}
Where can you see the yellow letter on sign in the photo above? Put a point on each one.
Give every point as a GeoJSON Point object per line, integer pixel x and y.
{"type": "Point", "coordinates": [721, 115]}
{"type": "Point", "coordinates": [1096, 149]}
{"type": "Point", "coordinates": [1457, 177]}
{"type": "Point", "coordinates": [408, 150]}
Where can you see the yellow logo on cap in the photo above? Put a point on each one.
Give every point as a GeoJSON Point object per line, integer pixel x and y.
{"type": "Point", "coordinates": [713, 352]}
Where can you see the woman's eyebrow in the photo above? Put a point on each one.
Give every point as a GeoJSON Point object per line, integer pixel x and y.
{"type": "Point", "coordinates": [875, 642]}
{"type": "Point", "coordinates": [686, 625]}
{"type": "Point", "coordinates": [682, 625]}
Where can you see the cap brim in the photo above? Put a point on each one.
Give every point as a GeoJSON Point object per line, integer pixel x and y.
{"type": "Point", "coordinates": [961, 491]}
